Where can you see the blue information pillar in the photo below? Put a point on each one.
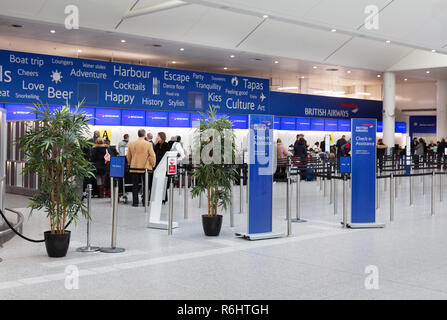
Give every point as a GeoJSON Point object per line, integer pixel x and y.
{"type": "Point", "coordinates": [363, 194]}
{"type": "Point", "coordinates": [260, 179]}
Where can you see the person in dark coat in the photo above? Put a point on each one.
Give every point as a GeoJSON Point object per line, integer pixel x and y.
{"type": "Point", "coordinates": [441, 153]}
{"type": "Point", "coordinates": [160, 148]}
{"type": "Point", "coordinates": [99, 150]}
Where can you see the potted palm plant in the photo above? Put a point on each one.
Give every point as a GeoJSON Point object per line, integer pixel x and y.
{"type": "Point", "coordinates": [213, 176]}
{"type": "Point", "coordinates": [54, 150]}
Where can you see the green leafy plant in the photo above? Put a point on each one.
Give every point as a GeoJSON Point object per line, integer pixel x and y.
{"type": "Point", "coordinates": [54, 149]}
{"type": "Point", "coordinates": [214, 177]}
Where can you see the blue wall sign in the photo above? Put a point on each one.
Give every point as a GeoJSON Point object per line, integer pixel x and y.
{"type": "Point", "coordinates": [179, 119]}
{"type": "Point", "coordinates": [363, 203]}
{"type": "Point", "coordinates": [133, 118]}
{"type": "Point", "coordinates": [260, 174]}
{"type": "Point", "coordinates": [36, 78]}
{"type": "Point", "coordinates": [422, 124]}
{"type": "Point", "coordinates": [19, 112]}
{"type": "Point", "coordinates": [239, 121]}
{"type": "Point", "coordinates": [312, 106]}
{"type": "Point", "coordinates": [303, 124]}
{"type": "Point", "coordinates": [288, 123]}
{"type": "Point", "coordinates": [108, 117]}
{"type": "Point", "coordinates": [317, 124]}
{"type": "Point", "coordinates": [330, 125]}
{"type": "Point", "coordinates": [117, 165]}
{"type": "Point", "coordinates": [157, 119]}
{"type": "Point", "coordinates": [344, 125]}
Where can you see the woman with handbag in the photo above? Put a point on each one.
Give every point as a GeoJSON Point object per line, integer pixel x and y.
{"type": "Point", "coordinates": [99, 157]}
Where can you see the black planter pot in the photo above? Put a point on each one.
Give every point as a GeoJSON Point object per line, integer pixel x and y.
{"type": "Point", "coordinates": [57, 244]}
{"type": "Point", "coordinates": [211, 225]}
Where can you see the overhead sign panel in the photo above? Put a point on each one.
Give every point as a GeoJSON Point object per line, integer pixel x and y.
{"type": "Point", "coordinates": [36, 78]}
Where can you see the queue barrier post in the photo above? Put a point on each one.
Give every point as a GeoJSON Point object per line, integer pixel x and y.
{"type": "Point", "coordinates": [231, 204]}
{"type": "Point", "coordinates": [392, 196]}
{"type": "Point", "coordinates": [433, 193]}
{"type": "Point", "coordinates": [146, 190]}
{"type": "Point", "coordinates": [345, 203]}
{"type": "Point", "coordinates": [411, 191]}
{"type": "Point", "coordinates": [171, 206]}
{"type": "Point", "coordinates": [441, 187]}
{"type": "Point", "coordinates": [335, 197]}
{"type": "Point", "coordinates": [288, 216]}
{"type": "Point", "coordinates": [113, 248]}
{"type": "Point", "coordinates": [185, 196]}
{"type": "Point", "coordinates": [241, 195]}
{"type": "Point", "coordinates": [88, 247]}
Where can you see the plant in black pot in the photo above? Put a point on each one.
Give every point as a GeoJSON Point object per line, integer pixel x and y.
{"type": "Point", "coordinates": [53, 148]}
{"type": "Point", "coordinates": [213, 153]}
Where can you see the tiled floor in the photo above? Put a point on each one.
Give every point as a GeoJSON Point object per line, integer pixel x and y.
{"type": "Point", "coordinates": [320, 261]}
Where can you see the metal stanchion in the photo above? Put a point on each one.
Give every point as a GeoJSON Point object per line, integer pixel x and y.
{"type": "Point", "coordinates": [88, 247]}
{"type": "Point", "coordinates": [345, 203]}
{"type": "Point", "coordinates": [396, 187]}
{"type": "Point", "coordinates": [331, 191]}
{"type": "Point", "coordinates": [385, 185]}
{"type": "Point", "coordinates": [171, 207]}
{"type": "Point", "coordinates": [433, 193]}
{"type": "Point", "coordinates": [298, 200]}
{"type": "Point", "coordinates": [111, 191]}
{"type": "Point", "coordinates": [335, 197]}
{"type": "Point", "coordinates": [146, 190]}
{"type": "Point", "coordinates": [423, 183]}
{"type": "Point", "coordinates": [325, 187]}
{"type": "Point", "coordinates": [113, 248]}
{"type": "Point", "coordinates": [241, 194]}
{"type": "Point", "coordinates": [185, 196]}
{"type": "Point", "coordinates": [288, 216]}
{"type": "Point", "coordinates": [180, 183]}
{"type": "Point", "coordinates": [231, 204]}
{"type": "Point", "coordinates": [392, 197]}
{"type": "Point", "coordinates": [441, 187]}
{"type": "Point", "coordinates": [411, 191]}
{"type": "Point", "coordinates": [321, 183]}
{"type": "Point", "coordinates": [377, 194]}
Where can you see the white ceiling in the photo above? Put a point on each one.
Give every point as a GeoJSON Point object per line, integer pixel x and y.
{"type": "Point", "coordinates": [295, 29]}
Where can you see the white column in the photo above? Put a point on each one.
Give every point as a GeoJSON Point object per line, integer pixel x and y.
{"type": "Point", "coordinates": [389, 107]}
{"type": "Point", "coordinates": [441, 109]}
{"type": "Point", "coordinates": [304, 85]}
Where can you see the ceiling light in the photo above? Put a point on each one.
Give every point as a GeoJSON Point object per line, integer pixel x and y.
{"type": "Point", "coordinates": [225, 68]}
{"type": "Point", "coordinates": [182, 49]}
{"type": "Point", "coordinates": [302, 77]}
{"type": "Point", "coordinates": [265, 16]}
{"type": "Point", "coordinates": [287, 88]}
{"type": "Point", "coordinates": [334, 30]}
{"type": "Point", "coordinates": [123, 41]}
{"type": "Point", "coordinates": [232, 56]}
{"type": "Point", "coordinates": [174, 62]}
{"type": "Point", "coordinates": [315, 67]}
{"type": "Point", "coordinates": [349, 71]}
{"type": "Point", "coordinates": [405, 79]}
{"type": "Point", "coordinates": [79, 50]}
{"type": "Point", "coordinates": [433, 51]}
{"type": "Point", "coordinates": [363, 93]}
{"type": "Point", "coordinates": [53, 31]}
{"type": "Point", "coordinates": [388, 41]}
{"type": "Point", "coordinates": [276, 61]}
{"type": "Point", "coordinates": [427, 72]}
{"type": "Point", "coordinates": [379, 76]}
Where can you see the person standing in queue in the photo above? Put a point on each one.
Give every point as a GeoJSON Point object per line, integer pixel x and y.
{"type": "Point", "coordinates": [122, 146]}
{"type": "Point", "coordinates": [140, 155]}
{"type": "Point", "coordinates": [149, 138]}
{"type": "Point", "coordinates": [340, 148]}
{"type": "Point", "coordinates": [160, 148]}
{"type": "Point", "coordinates": [98, 158]}
{"type": "Point", "coordinates": [300, 151]}
{"type": "Point", "coordinates": [441, 153]}
{"type": "Point", "coordinates": [381, 151]}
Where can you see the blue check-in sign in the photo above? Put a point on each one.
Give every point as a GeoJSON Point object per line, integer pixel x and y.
{"type": "Point", "coordinates": [117, 165]}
